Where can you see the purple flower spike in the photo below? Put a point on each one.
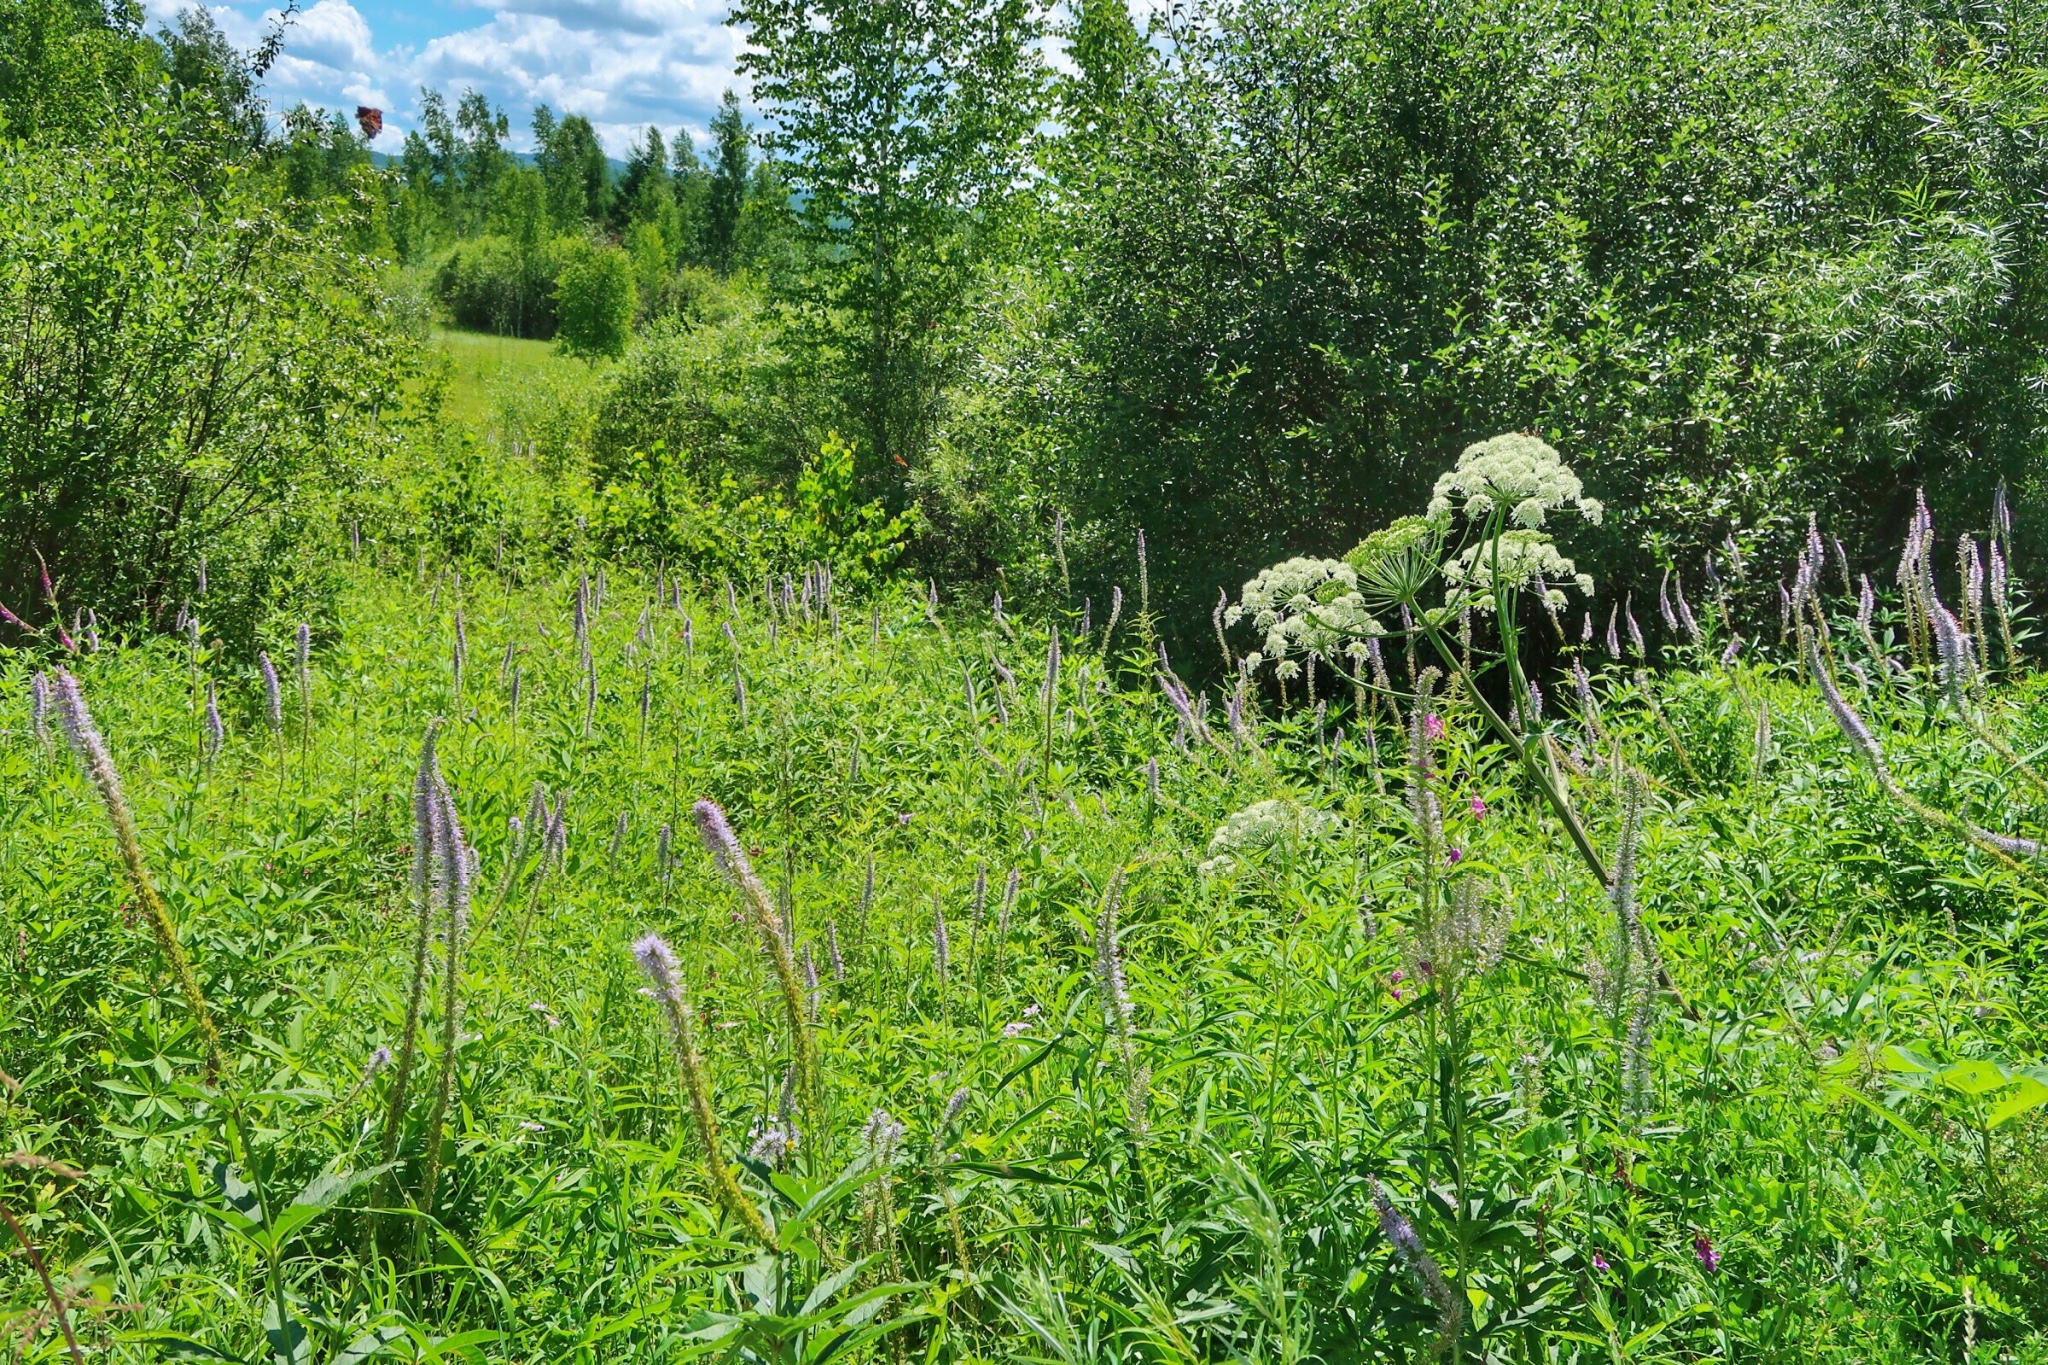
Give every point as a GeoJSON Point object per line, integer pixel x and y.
{"type": "Point", "coordinates": [658, 960]}
{"type": "Point", "coordinates": [1710, 1259]}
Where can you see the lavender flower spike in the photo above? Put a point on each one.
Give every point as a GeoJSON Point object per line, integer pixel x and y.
{"type": "Point", "coordinates": [658, 961]}
{"type": "Point", "coordinates": [216, 733]}
{"type": "Point", "coordinates": [39, 707]}
{"type": "Point", "coordinates": [273, 697]}
{"type": "Point", "coordinates": [732, 860]}
{"type": "Point", "coordinates": [1408, 1247]}
{"type": "Point", "coordinates": [99, 766]}
{"type": "Point", "coordinates": [457, 872]}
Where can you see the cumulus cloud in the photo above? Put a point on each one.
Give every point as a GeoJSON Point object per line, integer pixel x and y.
{"type": "Point", "coordinates": [624, 64]}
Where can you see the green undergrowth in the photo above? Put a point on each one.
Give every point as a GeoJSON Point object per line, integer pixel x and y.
{"type": "Point", "coordinates": [1817, 1144]}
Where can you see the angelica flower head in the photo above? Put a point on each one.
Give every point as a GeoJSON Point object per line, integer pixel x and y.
{"type": "Point", "coordinates": [1520, 558]}
{"type": "Point", "coordinates": [1305, 605]}
{"type": "Point", "coordinates": [1523, 474]}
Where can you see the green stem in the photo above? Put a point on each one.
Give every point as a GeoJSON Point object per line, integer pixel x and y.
{"type": "Point", "coordinates": [1523, 755]}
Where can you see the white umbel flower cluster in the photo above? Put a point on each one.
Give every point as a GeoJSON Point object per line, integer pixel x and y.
{"type": "Point", "coordinates": [1521, 473]}
{"type": "Point", "coordinates": [1304, 606]}
{"type": "Point", "coordinates": [1265, 825]}
{"type": "Point", "coordinates": [1525, 558]}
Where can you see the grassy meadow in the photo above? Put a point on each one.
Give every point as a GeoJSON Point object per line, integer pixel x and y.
{"type": "Point", "coordinates": [484, 372]}
{"type": "Point", "coordinates": [1129, 1040]}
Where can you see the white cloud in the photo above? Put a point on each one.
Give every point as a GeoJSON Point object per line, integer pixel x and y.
{"type": "Point", "coordinates": [624, 64]}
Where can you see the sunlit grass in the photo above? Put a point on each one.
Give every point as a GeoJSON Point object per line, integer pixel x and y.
{"type": "Point", "coordinates": [1174, 1158]}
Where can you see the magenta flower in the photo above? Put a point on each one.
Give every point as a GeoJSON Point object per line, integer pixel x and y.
{"type": "Point", "coordinates": [1710, 1259]}
{"type": "Point", "coordinates": [1478, 809]}
{"type": "Point", "coordinates": [1454, 856]}
{"type": "Point", "coordinates": [1433, 726]}
{"type": "Point", "coordinates": [1400, 975]}
{"type": "Point", "coordinates": [1600, 1263]}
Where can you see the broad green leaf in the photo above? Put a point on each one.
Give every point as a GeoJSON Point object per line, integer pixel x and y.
{"type": "Point", "coordinates": [170, 1347]}
{"type": "Point", "coordinates": [1973, 1078]}
{"type": "Point", "coordinates": [829, 1286]}
{"type": "Point", "coordinates": [239, 1195]}
{"type": "Point", "coordinates": [369, 1344]}
{"type": "Point", "coordinates": [1900, 1058]}
{"type": "Point", "coordinates": [289, 1344]}
{"type": "Point", "coordinates": [2030, 1095]}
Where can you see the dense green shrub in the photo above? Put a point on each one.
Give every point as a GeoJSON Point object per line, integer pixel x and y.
{"type": "Point", "coordinates": [489, 284]}
{"type": "Point", "coordinates": [191, 372]}
{"type": "Point", "coordinates": [712, 387]}
{"type": "Point", "coordinates": [594, 298]}
{"type": "Point", "coordinates": [1750, 260]}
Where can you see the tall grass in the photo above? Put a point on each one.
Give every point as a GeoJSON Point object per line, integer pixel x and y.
{"type": "Point", "coordinates": [1313, 1089]}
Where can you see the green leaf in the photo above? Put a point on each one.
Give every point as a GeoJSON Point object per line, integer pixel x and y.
{"type": "Point", "coordinates": [169, 1347]}
{"type": "Point", "coordinates": [1898, 1058]}
{"type": "Point", "coordinates": [369, 1344]}
{"type": "Point", "coordinates": [324, 1191]}
{"type": "Point", "coordinates": [239, 1195]}
{"type": "Point", "coordinates": [1973, 1077]}
{"type": "Point", "coordinates": [289, 1344]}
{"type": "Point", "coordinates": [2032, 1094]}
{"type": "Point", "coordinates": [829, 1286]}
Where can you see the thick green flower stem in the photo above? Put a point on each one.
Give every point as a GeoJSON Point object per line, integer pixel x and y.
{"type": "Point", "coordinates": [1523, 755]}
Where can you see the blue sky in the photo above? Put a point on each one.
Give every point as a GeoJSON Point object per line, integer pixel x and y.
{"type": "Point", "coordinates": [623, 63]}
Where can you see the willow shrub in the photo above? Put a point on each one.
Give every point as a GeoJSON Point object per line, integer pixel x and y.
{"type": "Point", "coordinates": [191, 376]}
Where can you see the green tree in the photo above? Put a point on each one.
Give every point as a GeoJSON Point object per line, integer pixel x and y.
{"type": "Point", "coordinates": [645, 193]}
{"type": "Point", "coordinates": [210, 73]}
{"type": "Point", "coordinates": [481, 159]}
{"type": "Point", "coordinates": [594, 299]}
{"type": "Point", "coordinates": [428, 167]}
{"type": "Point", "coordinates": [573, 165]}
{"type": "Point", "coordinates": [903, 127]}
{"type": "Point", "coordinates": [726, 194]}
{"type": "Point", "coordinates": [66, 66]}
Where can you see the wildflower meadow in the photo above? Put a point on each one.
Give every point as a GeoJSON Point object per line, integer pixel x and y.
{"type": "Point", "coordinates": [612, 964]}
